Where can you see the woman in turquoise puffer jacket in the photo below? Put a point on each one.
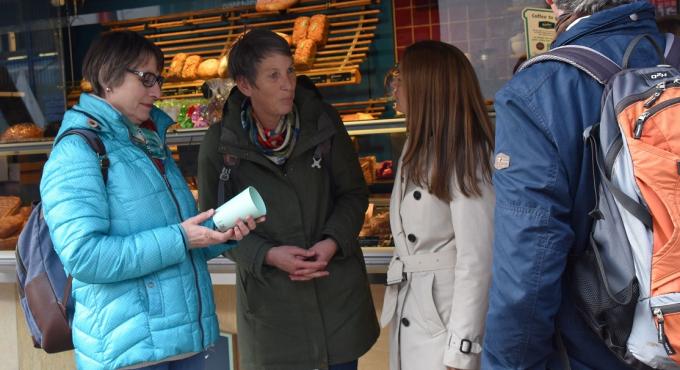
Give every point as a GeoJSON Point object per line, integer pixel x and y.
{"type": "Point", "coordinates": [134, 245]}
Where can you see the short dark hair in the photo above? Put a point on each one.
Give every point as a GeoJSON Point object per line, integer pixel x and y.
{"type": "Point", "coordinates": [113, 53]}
{"type": "Point", "coordinates": [247, 52]}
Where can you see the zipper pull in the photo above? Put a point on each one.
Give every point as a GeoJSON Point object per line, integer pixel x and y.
{"type": "Point", "coordinates": [661, 332]}
{"type": "Point", "coordinates": [639, 124]}
{"type": "Point", "coordinates": [660, 322]}
{"type": "Point", "coordinates": [660, 88]}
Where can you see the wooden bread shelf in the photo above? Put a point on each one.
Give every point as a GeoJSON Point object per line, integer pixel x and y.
{"type": "Point", "coordinates": [210, 33]}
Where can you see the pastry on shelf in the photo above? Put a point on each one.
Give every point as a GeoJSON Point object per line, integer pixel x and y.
{"type": "Point", "coordinates": [208, 69]}
{"type": "Point", "coordinates": [318, 29]}
{"type": "Point", "coordinates": [304, 54]}
{"type": "Point", "coordinates": [300, 30]}
{"type": "Point", "coordinates": [21, 131]}
{"type": "Point", "coordinates": [223, 67]}
{"type": "Point", "coordinates": [174, 71]}
{"type": "Point", "coordinates": [85, 85]}
{"type": "Point", "coordinates": [11, 225]}
{"type": "Point", "coordinates": [273, 5]}
{"type": "Point", "coordinates": [377, 225]}
{"type": "Point", "coordinates": [9, 205]}
{"type": "Point", "coordinates": [384, 170]}
{"type": "Point", "coordinates": [359, 116]}
{"type": "Point", "coordinates": [288, 39]}
{"type": "Point", "coordinates": [190, 68]}
{"type": "Point", "coordinates": [368, 168]}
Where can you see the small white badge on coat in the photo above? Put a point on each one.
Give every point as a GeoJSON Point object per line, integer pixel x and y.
{"type": "Point", "coordinates": [502, 161]}
{"type": "Point", "coordinates": [316, 162]}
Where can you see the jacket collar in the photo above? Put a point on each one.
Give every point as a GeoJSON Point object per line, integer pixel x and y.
{"type": "Point", "coordinates": [315, 123]}
{"type": "Point", "coordinates": [109, 119]}
{"type": "Point", "coordinates": [617, 18]}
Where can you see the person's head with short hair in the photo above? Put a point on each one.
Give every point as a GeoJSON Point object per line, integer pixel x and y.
{"type": "Point", "coordinates": [669, 24]}
{"type": "Point", "coordinates": [262, 65]}
{"type": "Point", "coordinates": [450, 133]}
{"type": "Point", "coordinates": [109, 57]}
{"type": "Point", "coordinates": [585, 6]}
{"type": "Point", "coordinates": [251, 48]}
{"type": "Point", "coordinates": [124, 69]}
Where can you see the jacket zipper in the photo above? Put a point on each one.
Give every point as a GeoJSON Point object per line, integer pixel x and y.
{"type": "Point", "coordinates": [661, 330]}
{"type": "Point", "coordinates": [639, 124]}
{"type": "Point", "coordinates": [193, 266]}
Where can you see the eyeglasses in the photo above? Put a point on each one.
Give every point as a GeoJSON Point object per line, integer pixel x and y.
{"type": "Point", "coordinates": [148, 79]}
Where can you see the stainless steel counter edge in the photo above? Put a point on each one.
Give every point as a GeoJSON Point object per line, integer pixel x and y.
{"type": "Point", "coordinates": [223, 270]}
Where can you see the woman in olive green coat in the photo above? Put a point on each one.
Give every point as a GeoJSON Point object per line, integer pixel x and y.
{"type": "Point", "coordinates": [303, 296]}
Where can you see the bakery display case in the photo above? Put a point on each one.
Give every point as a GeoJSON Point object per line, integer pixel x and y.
{"type": "Point", "coordinates": [331, 42]}
{"type": "Point", "coordinates": [378, 142]}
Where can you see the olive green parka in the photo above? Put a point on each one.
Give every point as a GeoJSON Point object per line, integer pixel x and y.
{"type": "Point", "coordinates": [282, 324]}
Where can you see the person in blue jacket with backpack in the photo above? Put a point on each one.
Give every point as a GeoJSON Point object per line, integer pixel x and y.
{"type": "Point", "coordinates": [544, 191]}
{"type": "Point", "coordinates": [134, 244]}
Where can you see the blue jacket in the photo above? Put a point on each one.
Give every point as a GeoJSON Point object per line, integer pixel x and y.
{"type": "Point", "coordinates": [544, 196]}
{"type": "Point", "coordinates": [139, 295]}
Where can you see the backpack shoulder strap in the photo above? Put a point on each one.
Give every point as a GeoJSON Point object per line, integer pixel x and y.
{"type": "Point", "coordinates": [672, 52]}
{"type": "Point", "coordinates": [93, 140]}
{"type": "Point", "coordinates": [592, 62]}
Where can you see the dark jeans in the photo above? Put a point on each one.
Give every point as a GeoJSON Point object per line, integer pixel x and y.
{"type": "Point", "coordinates": [346, 366]}
{"type": "Point", "coordinates": [195, 362]}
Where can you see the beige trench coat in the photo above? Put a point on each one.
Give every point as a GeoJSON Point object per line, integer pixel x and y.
{"type": "Point", "coordinates": [443, 256]}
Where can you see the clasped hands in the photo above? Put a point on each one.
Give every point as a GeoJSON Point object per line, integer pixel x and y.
{"type": "Point", "coordinates": [303, 264]}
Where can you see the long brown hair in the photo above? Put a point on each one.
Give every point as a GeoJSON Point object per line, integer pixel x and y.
{"type": "Point", "coordinates": [449, 128]}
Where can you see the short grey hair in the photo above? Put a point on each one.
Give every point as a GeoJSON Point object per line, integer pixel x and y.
{"type": "Point", "coordinates": [589, 6]}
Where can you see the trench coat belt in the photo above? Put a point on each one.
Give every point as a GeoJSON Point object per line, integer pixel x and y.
{"type": "Point", "coordinates": [400, 265]}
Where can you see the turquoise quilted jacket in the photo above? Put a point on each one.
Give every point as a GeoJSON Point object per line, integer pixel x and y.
{"type": "Point", "coordinates": [139, 295]}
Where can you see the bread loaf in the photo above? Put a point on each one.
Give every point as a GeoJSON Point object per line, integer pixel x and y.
{"type": "Point", "coordinates": [318, 29]}
{"type": "Point", "coordinates": [208, 68]}
{"type": "Point", "coordinates": [285, 37]}
{"type": "Point", "coordinates": [9, 204]}
{"type": "Point", "coordinates": [300, 30]}
{"type": "Point", "coordinates": [304, 54]}
{"type": "Point", "coordinates": [273, 5]}
{"type": "Point", "coordinates": [21, 131]}
{"type": "Point", "coordinates": [360, 116]}
{"type": "Point", "coordinates": [191, 67]}
{"type": "Point", "coordinates": [85, 85]}
{"type": "Point", "coordinates": [174, 72]}
{"type": "Point", "coordinates": [223, 67]}
{"type": "Point", "coordinates": [10, 225]}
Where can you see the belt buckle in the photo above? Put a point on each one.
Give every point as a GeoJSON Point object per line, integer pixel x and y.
{"type": "Point", "coordinates": [395, 272]}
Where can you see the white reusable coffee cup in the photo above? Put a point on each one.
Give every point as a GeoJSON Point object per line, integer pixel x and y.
{"type": "Point", "coordinates": [246, 203]}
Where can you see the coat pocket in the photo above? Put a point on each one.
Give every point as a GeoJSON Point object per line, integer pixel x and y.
{"type": "Point", "coordinates": [422, 288]}
{"type": "Point", "coordinates": [154, 295]}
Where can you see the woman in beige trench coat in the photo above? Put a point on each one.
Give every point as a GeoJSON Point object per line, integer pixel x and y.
{"type": "Point", "coordinates": [441, 214]}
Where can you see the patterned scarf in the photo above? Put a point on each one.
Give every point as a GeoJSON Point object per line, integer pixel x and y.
{"type": "Point", "coordinates": [145, 137]}
{"type": "Point", "coordinates": [277, 144]}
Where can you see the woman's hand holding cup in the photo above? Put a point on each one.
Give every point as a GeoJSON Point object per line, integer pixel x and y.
{"type": "Point", "coordinates": [199, 236]}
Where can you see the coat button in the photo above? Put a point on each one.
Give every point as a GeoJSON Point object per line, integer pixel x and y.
{"type": "Point", "coordinates": [405, 322]}
{"type": "Point", "coordinates": [416, 194]}
{"type": "Point", "coordinates": [412, 238]}
{"type": "Point", "coordinates": [150, 284]}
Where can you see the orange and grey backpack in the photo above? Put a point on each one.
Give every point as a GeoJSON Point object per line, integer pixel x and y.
{"type": "Point", "coordinates": [626, 284]}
